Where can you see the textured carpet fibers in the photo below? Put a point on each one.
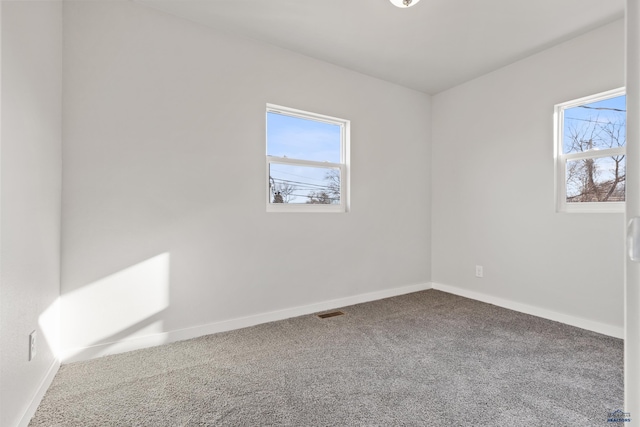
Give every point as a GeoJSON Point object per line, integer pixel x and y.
{"type": "Point", "coordinates": [423, 359]}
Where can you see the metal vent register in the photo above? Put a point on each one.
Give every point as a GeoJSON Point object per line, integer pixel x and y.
{"type": "Point", "coordinates": [331, 314]}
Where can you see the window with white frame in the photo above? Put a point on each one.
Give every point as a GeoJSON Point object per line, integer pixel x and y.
{"type": "Point", "coordinates": [306, 161]}
{"type": "Point", "coordinates": [591, 153]}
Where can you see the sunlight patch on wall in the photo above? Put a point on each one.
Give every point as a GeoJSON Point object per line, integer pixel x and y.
{"type": "Point", "coordinates": [49, 324]}
{"type": "Point", "coordinates": [118, 306]}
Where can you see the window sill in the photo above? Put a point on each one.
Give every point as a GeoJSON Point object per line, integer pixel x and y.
{"type": "Point", "coordinates": [308, 208]}
{"type": "Point", "coordinates": [603, 207]}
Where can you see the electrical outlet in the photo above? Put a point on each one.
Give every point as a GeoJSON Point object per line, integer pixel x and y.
{"type": "Point", "coordinates": [32, 345]}
{"type": "Point", "coordinates": [479, 271]}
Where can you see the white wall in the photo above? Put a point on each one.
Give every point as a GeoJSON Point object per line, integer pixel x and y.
{"type": "Point", "coordinates": [30, 200]}
{"type": "Point", "coordinates": [164, 179]}
{"type": "Point", "coordinates": [493, 192]}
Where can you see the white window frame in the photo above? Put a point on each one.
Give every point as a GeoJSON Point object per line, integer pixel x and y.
{"type": "Point", "coordinates": [561, 159]}
{"type": "Point", "coordinates": [343, 166]}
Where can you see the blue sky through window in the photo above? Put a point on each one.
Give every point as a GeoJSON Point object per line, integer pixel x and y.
{"type": "Point", "coordinates": [304, 139]}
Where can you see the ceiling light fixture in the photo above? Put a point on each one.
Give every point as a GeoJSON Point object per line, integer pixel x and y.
{"type": "Point", "coordinates": [404, 3]}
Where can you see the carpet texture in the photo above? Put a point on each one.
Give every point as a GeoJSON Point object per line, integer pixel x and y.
{"type": "Point", "coordinates": [423, 359]}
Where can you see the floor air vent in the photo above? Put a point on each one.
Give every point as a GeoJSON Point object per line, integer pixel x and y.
{"type": "Point", "coordinates": [332, 314]}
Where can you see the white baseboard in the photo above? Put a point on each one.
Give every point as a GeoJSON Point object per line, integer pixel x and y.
{"type": "Point", "coordinates": [136, 343]}
{"type": "Point", "coordinates": [37, 397]}
{"type": "Point", "coordinates": [590, 325]}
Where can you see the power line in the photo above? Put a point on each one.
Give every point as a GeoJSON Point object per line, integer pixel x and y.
{"type": "Point", "coordinates": [594, 121]}
{"type": "Point", "coordinates": [299, 182]}
{"type": "Point", "coordinates": [316, 197]}
{"type": "Point", "coordinates": [602, 108]}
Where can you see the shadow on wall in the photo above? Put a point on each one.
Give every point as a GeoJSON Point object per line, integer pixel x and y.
{"type": "Point", "coordinates": [97, 318]}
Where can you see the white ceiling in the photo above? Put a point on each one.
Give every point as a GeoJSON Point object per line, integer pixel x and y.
{"type": "Point", "coordinates": [431, 46]}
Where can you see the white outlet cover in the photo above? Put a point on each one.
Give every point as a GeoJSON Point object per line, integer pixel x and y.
{"type": "Point", "coordinates": [32, 345]}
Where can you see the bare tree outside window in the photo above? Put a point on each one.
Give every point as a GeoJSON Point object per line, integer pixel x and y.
{"type": "Point", "coordinates": [332, 193]}
{"type": "Point", "coordinates": [282, 191]}
{"type": "Point", "coordinates": [333, 183]}
{"type": "Point", "coordinates": [319, 198]}
{"type": "Point", "coordinates": [596, 179]}
{"type": "Point", "coordinates": [307, 190]}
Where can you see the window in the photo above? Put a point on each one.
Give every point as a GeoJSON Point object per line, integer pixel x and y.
{"type": "Point", "coordinates": [591, 153]}
{"type": "Point", "coordinates": [306, 161]}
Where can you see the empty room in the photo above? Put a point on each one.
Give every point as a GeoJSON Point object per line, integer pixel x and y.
{"type": "Point", "coordinates": [319, 213]}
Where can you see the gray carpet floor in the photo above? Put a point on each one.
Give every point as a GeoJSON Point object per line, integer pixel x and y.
{"type": "Point", "coordinates": [422, 359]}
